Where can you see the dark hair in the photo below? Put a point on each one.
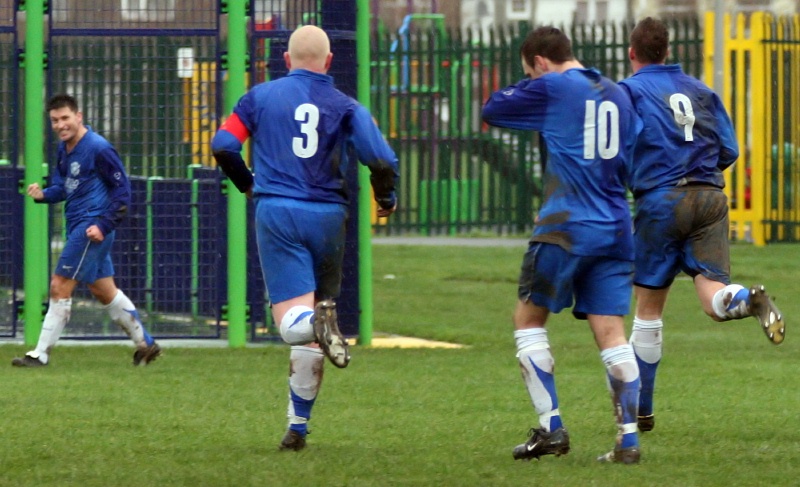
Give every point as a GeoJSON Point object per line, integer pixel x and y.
{"type": "Point", "coordinates": [547, 42]}
{"type": "Point", "coordinates": [650, 41]}
{"type": "Point", "coordinates": [62, 100]}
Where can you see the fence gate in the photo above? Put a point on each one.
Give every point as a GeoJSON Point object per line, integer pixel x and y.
{"type": "Point", "coordinates": [144, 76]}
{"type": "Point", "coordinates": [429, 84]}
{"type": "Point", "coordinates": [10, 173]}
{"type": "Point", "coordinates": [761, 86]}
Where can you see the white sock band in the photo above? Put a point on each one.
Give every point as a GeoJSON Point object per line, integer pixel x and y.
{"type": "Point", "coordinates": [646, 339]}
{"type": "Point", "coordinates": [620, 362]}
{"type": "Point", "coordinates": [722, 300]}
{"type": "Point", "coordinates": [531, 339]}
{"type": "Point", "coordinates": [647, 325]}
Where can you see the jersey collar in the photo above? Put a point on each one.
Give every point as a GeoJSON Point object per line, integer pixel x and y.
{"type": "Point", "coordinates": [311, 74]}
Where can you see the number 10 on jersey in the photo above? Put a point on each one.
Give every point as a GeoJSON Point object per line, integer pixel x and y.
{"type": "Point", "coordinates": [600, 130]}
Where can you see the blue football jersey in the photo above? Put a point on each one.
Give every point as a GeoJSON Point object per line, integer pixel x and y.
{"type": "Point", "coordinates": [92, 180]}
{"type": "Point", "coordinates": [306, 158]}
{"type": "Point", "coordinates": [687, 137]}
{"type": "Point", "coordinates": [590, 129]}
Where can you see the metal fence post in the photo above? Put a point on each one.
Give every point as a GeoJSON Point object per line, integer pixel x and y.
{"type": "Point", "coordinates": [36, 228]}
{"type": "Point", "coordinates": [237, 214]}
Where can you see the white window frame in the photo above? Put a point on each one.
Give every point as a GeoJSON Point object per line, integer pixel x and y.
{"type": "Point", "coordinates": [147, 10]}
{"type": "Point", "coordinates": [59, 10]}
{"type": "Point", "coordinates": [525, 13]}
{"type": "Point", "coordinates": [591, 10]}
{"type": "Point", "coordinates": [581, 13]}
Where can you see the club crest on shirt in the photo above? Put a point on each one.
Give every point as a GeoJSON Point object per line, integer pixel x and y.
{"type": "Point", "coordinates": [72, 181]}
{"type": "Point", "coordinates": [71, 184]}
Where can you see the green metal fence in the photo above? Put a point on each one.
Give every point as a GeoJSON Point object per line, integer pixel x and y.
{"type": "Point", "coordinates": [458, 175]}
{"type": "Point", "coordinates": [129, 91]}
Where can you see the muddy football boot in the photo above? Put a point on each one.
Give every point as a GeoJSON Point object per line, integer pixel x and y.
{"type": "Point", "coordinates": [628, 456]}
{"type": "Point", "coordinates": [763, 308]}
{"type": "Point", "coordinates": [143, 356]}
{"type": "Point", "coordinates": [27, 361]}
{"type": "Point", "coordinates": [330, 339]}
{"type": "Point", "coordinates": [292, 440]}
{"type": "Point", "coordinates": [543, 443]}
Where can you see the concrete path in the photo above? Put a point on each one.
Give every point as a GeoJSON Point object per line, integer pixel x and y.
{"type": "Point", "coordinates": [387, 341]}
{"type": "Point", "coordinates": [522, 243]}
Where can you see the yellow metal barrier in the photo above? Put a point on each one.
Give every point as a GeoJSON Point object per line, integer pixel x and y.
{"type": "Point", "coordinates": [782, 116]}
{"type": "Point", "coordinates": [760, 90]}
{"type": "Point", "coordinates": [200, 122]}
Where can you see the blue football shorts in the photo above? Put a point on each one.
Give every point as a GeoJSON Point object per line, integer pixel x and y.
{"type": "Point", "coordinates": [551, 278]}
{"type": "Point", "coordinates": [300, 247]}
{"type": "Point", "coordinates": [83, 260]}
{"type": "Point", "coordinates": [681, 229]}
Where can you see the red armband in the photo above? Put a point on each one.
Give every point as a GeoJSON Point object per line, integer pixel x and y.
{"type": "Point", "coordinates": [236, 128]}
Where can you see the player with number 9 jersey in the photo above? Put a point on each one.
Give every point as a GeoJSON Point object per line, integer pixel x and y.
{"type": "Point", "coordinates": [682, 218]}
{"type": "Point", "coordinates": [688, 137]}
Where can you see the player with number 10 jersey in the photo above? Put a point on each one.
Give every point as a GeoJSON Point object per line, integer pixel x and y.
{"type": "Point", "coordinates": [585, 210]}
{"type": "Point", "coordinates": [581, 250]}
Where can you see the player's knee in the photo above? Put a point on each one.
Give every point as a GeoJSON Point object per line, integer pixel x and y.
{"type": "Point", "coordinates": [61, 287]}
{"type": "Point", "coordinates": [295, 327]}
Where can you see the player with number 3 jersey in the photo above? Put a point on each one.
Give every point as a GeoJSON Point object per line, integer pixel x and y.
{"type": "Point", "coordinates": [302, 130]}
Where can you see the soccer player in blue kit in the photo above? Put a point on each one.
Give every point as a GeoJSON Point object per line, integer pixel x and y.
{"type": "Point", "coordinates": [681, 221]}
{"type": "Point", "coordinates": [582, 243]}
{"type": "Point", "coordinates": [301, 128]}
{"type": "Point", "coordinates": [90, 177]}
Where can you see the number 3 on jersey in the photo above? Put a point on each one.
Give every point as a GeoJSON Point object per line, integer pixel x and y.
{"type": "Point", "coordinates": [308, 116]}
{"type": "Point", "coordinates": [600, 130]}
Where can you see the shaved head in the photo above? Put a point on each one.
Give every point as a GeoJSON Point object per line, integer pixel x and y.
{"type": "Point", "coordinates": [309, 48]}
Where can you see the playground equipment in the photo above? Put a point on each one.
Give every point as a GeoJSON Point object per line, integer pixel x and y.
{"type": "Point", "coordinates": [428, 88]}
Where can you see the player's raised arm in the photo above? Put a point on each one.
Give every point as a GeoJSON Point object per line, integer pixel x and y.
{"type": "Point", "coordinates": [522, 106]}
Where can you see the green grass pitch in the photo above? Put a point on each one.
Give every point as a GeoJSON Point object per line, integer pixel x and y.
{"type": "Point", "coordinates": [726, 401]}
